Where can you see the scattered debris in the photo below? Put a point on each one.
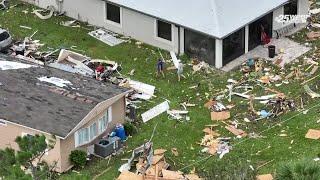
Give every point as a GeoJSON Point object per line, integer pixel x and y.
{"type": "Point", "coordinates": [265, 177]}
{"type": "Point", "coordinates": [38, 12]}
{"type": "Point", "coordinates": [155, 111]}
{"type": "Point", "coordinates": [72, 23]}
{"type": "Point", "coordinates": [107, 37]}
{"type": "Point", "coordinates": [310, 92]}
{"type": "Point", "coordinates": [313, 134]}
{"type": "Point", "coordinates": [313, 35]}
{"type": "Point", "coordinates": [25, 27]}
{"type": "Point", "coordinates": [175, 151]}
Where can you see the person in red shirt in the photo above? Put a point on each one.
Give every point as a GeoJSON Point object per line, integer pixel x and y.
{"type": "Point", "coordinates": [99, 70]}
{"type": "Point", "coordinates": [265, 39]}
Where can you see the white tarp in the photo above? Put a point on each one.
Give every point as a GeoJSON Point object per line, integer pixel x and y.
{"type": "Point", "coordinates": [174, 59]}
{"type": "Point", "coordinates": [8, 65]}
{"type": "Point", "coordinates": [56, 81]}
{"type": "Point", "coordinates": [155, 111]}
{"type": "Point", "coordinates": [106, 37]}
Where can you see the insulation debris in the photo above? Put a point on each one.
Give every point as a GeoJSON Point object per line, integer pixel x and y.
{"type": "Point", "coordinates": [10, 65]}
{"type": "Point", "coordinates": [56, 81]}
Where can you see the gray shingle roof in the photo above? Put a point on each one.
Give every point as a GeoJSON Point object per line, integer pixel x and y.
{"type": "Point", "coordinates": [39, 105]}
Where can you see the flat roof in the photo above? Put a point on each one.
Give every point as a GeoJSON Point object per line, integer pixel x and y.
{"type": "Point", "coordinates": [27, 100]}
{"type": "Point", "coordinates": [217, 18]}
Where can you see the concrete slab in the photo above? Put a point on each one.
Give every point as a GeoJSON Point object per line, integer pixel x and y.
{"type": "Point", "coordinates": [292, 50]}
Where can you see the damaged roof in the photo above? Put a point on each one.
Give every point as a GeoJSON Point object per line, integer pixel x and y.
{"type": "Point", "coordinates": [27, 101]}
{"type": "Point", "coordinates": [217, 18]}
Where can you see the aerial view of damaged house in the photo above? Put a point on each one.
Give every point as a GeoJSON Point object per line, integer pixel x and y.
{"type": "Point", "coordinates": [214, 34]}
{"type": "Point", "coordinates": [64, 105]}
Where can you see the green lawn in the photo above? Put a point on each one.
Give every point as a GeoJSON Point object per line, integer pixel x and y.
{"type": "Point", "coordinates": [169, 133]}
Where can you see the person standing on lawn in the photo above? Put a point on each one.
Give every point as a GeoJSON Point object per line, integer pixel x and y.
{"type": "Point", "coordinates": [160, 67]}
{"type": "Point", "coordinates": [180, 71]}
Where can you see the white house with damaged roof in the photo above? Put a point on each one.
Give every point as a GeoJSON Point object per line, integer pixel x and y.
{"type": "Point", "coordinates": [216, 31]}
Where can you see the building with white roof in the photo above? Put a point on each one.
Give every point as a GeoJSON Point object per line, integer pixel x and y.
{"type": "Point", "coordinates": [216, 31]}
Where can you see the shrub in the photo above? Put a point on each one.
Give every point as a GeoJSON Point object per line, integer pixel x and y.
{"type": "Point", "coordinates": [130, 129]}
{"type": "Point", "coordinates": [78, 158]}
{"type": "Point", "coordinates": [300, 170]}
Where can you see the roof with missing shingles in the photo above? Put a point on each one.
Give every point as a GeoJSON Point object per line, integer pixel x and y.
{"type": "Point", "coordinates": [27, 101]}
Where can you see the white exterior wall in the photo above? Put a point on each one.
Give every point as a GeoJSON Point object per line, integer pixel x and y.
{"type": "Point", "coordinates": [277, 25]}
{"type": "Point", "coordinates": [303, 7]}
{"type": "Point", "coordinates": [136, 25]}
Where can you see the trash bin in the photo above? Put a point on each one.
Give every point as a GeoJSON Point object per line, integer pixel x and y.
{"type": "Point", "coordinates": [272, 51]}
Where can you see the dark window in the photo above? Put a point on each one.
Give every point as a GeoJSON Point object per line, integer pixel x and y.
{"type": "Point", "coordinates": [164, 30]}
{"type": "Point", "coordinates": [291, 8]}
{"type": "Point", "coordinates": [233, 46]}
{"type": "Point", "coordinates": [199, 46]}
{"type": "Point", "coordinates": [113, 13]}
{"type": "Point", "coordinates": [4, 36]}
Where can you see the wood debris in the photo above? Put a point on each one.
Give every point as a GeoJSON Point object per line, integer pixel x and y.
{"type": "Point", "coordinates": [313, 134]}
{"type": "Point", "coordinates": [265, 177]}
{"type": "Point", "coordinates": [235, 131]}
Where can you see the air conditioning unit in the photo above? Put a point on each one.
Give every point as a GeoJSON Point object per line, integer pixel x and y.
{"type": "Point", "coordinates": [106, 147]}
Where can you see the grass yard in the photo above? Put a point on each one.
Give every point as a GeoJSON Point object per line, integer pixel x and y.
{"type": "Point", "coordinates": [184, 135]}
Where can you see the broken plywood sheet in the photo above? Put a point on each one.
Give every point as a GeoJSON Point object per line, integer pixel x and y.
{"type": "Point", "coordinates": [155, 111]}
{"type": "Point", "coordinates": [193, 177]}
{"type": "Point", "coordinates": [129, 175]}
{"type": "Point", "coordinates": [171, 174]}
{"type": "Point", "coordinates": [313, 134]}
{"type": "Point", "coordinates": [106, 37]}
{"type": "Point", "coordinates": [218, 116]}
{"type": "Point", "coordinates": [265, 177]}
{"type": "Point", "coordinates": [159, 151]}
{"type": "Point", "coordinates": [235, 131]}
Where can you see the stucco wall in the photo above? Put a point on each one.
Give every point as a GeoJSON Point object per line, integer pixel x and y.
{"type": "Point", "coordinates": [9, 133]}
{"type": "Point", "coordinates": [134, 24]}
{"type": "Point", "coordinates": [63, 147]}
{"type": "Point", "coordinates": [118, 115]}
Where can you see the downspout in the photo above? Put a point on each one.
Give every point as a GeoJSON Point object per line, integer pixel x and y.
{"type": "Point", "coordinates": [179, 40]}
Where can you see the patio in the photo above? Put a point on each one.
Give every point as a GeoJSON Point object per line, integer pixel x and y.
{"type": "Point", "coordinates": [292, 50]}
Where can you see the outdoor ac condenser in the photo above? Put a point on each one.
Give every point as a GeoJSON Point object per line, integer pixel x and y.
{"type": "Point", "coordinates": [106, 147]}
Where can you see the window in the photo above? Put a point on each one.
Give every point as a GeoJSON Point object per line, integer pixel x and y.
{"type": "Point", "coordinates": [93, 131]}
{"type": "Point", "coordinates": [88, 134]}
{"type": "Point", "coordinates": [291, 8]}
{"type": "Point", "coordinates": [164, 30]}
{"type": "Point", "coordinates": [113, 13]}
{"type": "Point", "coordinates": [3, 123]}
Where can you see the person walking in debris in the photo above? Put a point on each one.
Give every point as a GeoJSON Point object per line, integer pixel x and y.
{"type": "Point", "coordinates": [180, 71]}
{"type": "Point", "coordinates": [99, 70]}
{"type": "Point", "coordinates": [160, 67]}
